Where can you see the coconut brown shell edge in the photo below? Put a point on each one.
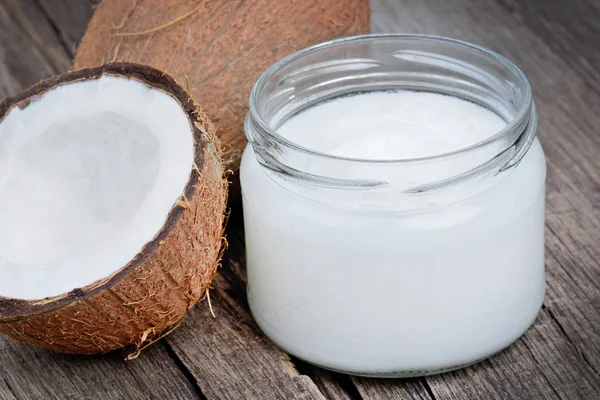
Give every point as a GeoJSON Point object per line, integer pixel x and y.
{"type": "Point", "coordinates": [153, 292]}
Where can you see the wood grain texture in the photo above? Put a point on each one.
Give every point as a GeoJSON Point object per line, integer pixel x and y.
{"type": "Point", "coordinates": [34, 46]}
{"type": "Point", "coordinates": [5, 390]}
{"type": "Point", "coordinates": [27, 54]}
{"type": "Point", "coordinates": [36, 39]}
{"type": "Point", "coordinates": [68, 19]}
{"type": "Point", "coordinates": [32, 373]}
{"type": "Point", "coordinates": [570, 29]}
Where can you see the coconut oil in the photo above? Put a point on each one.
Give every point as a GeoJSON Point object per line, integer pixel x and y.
{"type": "Point", "coordinates": [392, 233]}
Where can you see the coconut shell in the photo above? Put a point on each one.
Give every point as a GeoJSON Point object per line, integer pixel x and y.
{"type": "Point", "coordinates": [221, 47]}
{"type": "Point", "coordinates": [153, 292]}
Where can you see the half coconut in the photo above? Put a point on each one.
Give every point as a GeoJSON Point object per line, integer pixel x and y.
{"type": "Point", "coordinates": [112, 204]}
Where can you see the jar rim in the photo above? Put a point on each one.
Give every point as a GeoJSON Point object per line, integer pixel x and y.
{"type": "Point", "coordinates": [523, 114]}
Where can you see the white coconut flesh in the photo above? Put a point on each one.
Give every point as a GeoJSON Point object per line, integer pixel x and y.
{"type": "Point", "coordinates": [88, 174]}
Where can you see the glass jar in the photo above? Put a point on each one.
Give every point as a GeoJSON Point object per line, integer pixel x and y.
{"type": "Point", "coordinates": [355, 268]}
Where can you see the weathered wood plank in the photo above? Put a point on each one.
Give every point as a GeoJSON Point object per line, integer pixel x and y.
{"type": "Point", "coordinates": [36, 39]}
{"type": "Point", "coordinates": [33, 373]}
{"type": "Point", "coordinates": [560, 360]}
{"type": "Point", "coordinates": [69, 19]}
{"type": "Point", "coordinates": [25, 57]}
{"type": "Point", "coordinates": [36, 27]}
{"type": "Point", "coordinates": [574, 294]}
{"type": "Point", "coordinates": [571, 29]}
{"type": "Point", "coordinates": [335, 386]}
{"type": "Point", "coordinates": [5, 391]}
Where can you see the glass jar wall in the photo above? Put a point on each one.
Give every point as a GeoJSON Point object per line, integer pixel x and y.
{"type": "Point", "coordinates": [394, 267]}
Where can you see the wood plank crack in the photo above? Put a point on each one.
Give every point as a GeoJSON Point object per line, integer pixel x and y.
{"type": "Point", "coordinates": [428, 388]}
{"type": "Point", "coordinates": [184, 370]}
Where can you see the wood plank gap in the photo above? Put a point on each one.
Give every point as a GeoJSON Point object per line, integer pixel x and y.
{"type": "Point", "coordinates": [557, 34]}
{"type": "Point", "coordinates": [22, 21]}
{"type": "Point", "coordinates": [23, 361]}
{"type": "Point", "coordinates": [57, 31]}
{"type": "Point", "coordinates": [134, 377]}
{"type": "Point", "coordinates": [184, 370]}
{"type": "Point", "coordinates": [344, 381]}
{"type": "Point", "coordinates": [569, 340]}
{"type": "Point", "coordinates": [8, 386]}
{"type": "Point", "coordinates": [428, 388]}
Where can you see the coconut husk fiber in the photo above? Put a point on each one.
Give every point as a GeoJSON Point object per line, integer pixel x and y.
{"type": "Point", "coordinates": [219, 47]}
{"type": "Point", "coordinates": [150, 295]}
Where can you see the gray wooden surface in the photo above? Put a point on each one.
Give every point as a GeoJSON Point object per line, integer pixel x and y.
{"type": "Point", "coordinates": [556, 43]}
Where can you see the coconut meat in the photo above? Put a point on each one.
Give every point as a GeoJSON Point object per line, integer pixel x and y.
{"type": "Point", "coordinates": [88, 174]}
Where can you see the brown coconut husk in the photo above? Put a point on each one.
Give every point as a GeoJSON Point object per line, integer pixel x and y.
{"type": "Point", "coordinates": [152, 293]}
{"type": "Point", "coordinates": [221, 46]}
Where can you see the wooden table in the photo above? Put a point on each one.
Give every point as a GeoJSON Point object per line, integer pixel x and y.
{"type": "Point", "coordinates": [556, 43]}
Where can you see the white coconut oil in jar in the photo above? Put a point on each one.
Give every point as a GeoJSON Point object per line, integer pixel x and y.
{"type": "Point", "coordinates": [393, 196]}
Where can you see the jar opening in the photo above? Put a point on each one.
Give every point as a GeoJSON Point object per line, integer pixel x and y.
{"type": "Point", "coordinates": [373, 63]}
{"type": "Point", "coordinates": [452, 70]}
